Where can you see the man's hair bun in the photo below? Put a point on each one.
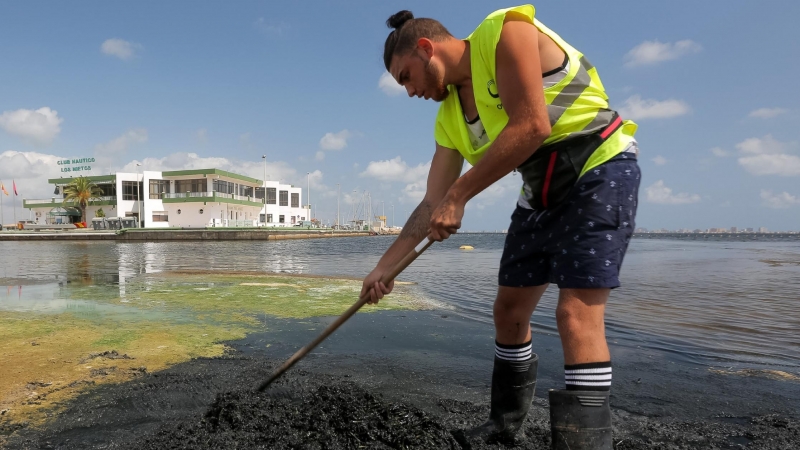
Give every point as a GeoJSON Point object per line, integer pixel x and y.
{"type": "Point", "coordinates": [398, 19]}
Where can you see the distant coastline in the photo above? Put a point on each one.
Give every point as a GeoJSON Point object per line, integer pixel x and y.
{"type": "Point", "coordinates": [754, 236]}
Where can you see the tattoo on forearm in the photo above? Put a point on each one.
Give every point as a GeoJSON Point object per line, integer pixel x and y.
{"type": "Point", "coordinates": [418, 223]}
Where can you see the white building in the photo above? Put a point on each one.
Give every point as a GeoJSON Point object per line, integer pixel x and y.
{"type": "Point", "coordinates": [181, 198]}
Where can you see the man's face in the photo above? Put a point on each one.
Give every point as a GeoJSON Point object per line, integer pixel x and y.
{"type": "Point", "coordinates": [423, 78]}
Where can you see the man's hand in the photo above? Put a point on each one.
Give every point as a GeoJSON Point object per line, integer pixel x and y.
{"type": "Point", "coordinates": [446, 218]}
{"type": "Point", "coordinates": [374, 288]}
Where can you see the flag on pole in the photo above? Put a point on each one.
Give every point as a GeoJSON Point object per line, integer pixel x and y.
{"type": "Point", "coordinates": [14, 184]}
{"type": "Point", "coordinates": [3, 188]}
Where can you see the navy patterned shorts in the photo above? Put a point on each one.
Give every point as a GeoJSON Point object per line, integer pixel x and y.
{"type": "Point", "coordinates": [581, 242]}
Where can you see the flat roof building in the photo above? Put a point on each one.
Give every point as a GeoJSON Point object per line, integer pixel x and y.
{"type": "Point", "coordinates": [181, 198]}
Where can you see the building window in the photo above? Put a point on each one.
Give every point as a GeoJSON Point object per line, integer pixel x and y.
{"type": "Point", "coordinates": [281, 219]}
{"type": "Point", "coordinates": [295, 200]}
{"type": "Point", "coordinates": [224, 187]}
{"type": "Point", "coordinates": [245, 191]}
{"type": "Point", "coordinates": [284, 198]}
{"type": "Point", "coordinates": [269, 218]}
{"type": "Point", "coordinates": [109, 190]}
{"type": "Point", "coordinates": [158, 187]}
{"type": "Point", "coordinates": [160, 216]}
{"type": "Point", "coordinates": [196, 185]}
{"type": "Point", "coordinates": [129, 191]}
{"type": "Point", "coordinates": [271, 200]}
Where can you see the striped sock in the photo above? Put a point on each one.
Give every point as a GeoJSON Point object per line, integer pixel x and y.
{"type": "Point", "coordinates": [516, 353]}
{"type": "Point", "coordinates": [594, 376]}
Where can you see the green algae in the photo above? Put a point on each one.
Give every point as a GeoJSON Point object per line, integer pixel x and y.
{"type": "Point", "coordinates": [233, 297]}
{"type": "Point", "coordinates": [155, 320]}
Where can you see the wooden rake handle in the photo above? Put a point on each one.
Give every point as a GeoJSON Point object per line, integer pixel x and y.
{"type": "Point", "coordinates": [385, 279]}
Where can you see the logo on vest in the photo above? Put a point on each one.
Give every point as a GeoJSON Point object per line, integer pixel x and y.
{"type": "Point", "coordinates": [491, 85]}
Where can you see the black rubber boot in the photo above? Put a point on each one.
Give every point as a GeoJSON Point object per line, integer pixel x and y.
{"type": "Point", "coordinates": [513, 384]}
{"type": "Point", "coordinates": [580, 420]}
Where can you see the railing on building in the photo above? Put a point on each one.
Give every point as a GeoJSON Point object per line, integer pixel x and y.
{"type": "Point", "coordinates": [209, 194]}
{"type": "Point", "coordinates": [188, 195]}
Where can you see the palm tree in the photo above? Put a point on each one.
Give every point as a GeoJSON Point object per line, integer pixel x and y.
{"type": "Point", "coordinates": [81, 191]}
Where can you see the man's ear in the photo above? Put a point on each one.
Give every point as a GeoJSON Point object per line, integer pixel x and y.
{"type": "Point", "coordinates": [425, 45]}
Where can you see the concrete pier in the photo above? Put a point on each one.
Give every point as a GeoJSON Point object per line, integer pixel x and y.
{"type": "Point", "coordinates": [158, 235]}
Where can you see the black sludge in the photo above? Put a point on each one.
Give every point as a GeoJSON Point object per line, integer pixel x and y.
{"type": "Point", "coordinates": [342, 416]}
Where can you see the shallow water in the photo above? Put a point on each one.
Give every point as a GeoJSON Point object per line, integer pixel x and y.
{"type": "Point", "coordinates": [728, 304]}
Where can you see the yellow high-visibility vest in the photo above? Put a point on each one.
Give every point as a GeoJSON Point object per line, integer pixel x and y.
{"type": "Point", "coordinates": [577, 105]}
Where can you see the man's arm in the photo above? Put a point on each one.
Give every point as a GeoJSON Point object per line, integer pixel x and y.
{"type": "Point", "coordinates": [445, 170]}
{"type": "Point", "coordinates": [519, 84]}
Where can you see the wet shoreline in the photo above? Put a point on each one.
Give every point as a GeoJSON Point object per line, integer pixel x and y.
{"type": "Point", "coordinates": [430, 361]}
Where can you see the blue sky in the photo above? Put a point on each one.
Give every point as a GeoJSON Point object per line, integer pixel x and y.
{"type": "Point", "coordinates": [217, 84]}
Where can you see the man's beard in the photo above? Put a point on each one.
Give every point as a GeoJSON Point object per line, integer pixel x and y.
{"type": "Point", "coordinates": [435, 81]}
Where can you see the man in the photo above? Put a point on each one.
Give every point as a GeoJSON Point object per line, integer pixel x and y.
{"type": "Point", "coordinates": [514, 95]}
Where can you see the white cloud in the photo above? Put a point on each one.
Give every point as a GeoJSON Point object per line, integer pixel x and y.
{"type": "Point", "coordinates": [335, 141]}
{"type": "Point", "coordinates": [767, 113]}
{"type": "Point", "coordinates": [661, 194]}
{"type": "Point", "coordinates": [20, 165]}
{"type": "Point", "coordinates": [719, 152]}
{"type": "Point", "coordinates": [506, 188]}
{"type": "Point", "coordinates": [414, 192]}
{"type": "Point", "coordinates": [320, 156]}
{"type": "Point", "coordinates": [389, 86]}
{"type": "Point", "coordinates": [778, 201]}
{"type": "Point", "coordinates": [120, 144]}
{"type": "Point", "coordinates": [108, 154]}
{"type": "Point", "coordinates": [315, 179]}
{"type": "Point", "coordinates": [276, 29]}
{"type": "Point", "coordinates": [30, 170]}
{"type": "Point", "coordinates": [660, 160]}
{"type": "Point", "coordinates": [122, 49]}
{"type": "Point", "coordinates": [762, 146]}
{"type": "Point", "coordinates": [782, 165]}
{"type": "Point", "coordinates": [38, 127]}
{"type": "Point", "coordinates": [768, 156]}
{"type": "Point", "coordinates": [653, 52]}
{"type": "Point", "coordinates": [396, 170]}
{"type": "Point", "coordinates": [637, 108]}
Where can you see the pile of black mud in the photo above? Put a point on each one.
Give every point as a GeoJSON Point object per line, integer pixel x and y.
{"type": "Point", "coordinates": [208, 403]}
{"type": "Point", "coordinates": [342, 416]}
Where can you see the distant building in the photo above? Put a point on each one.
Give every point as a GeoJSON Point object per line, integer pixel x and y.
{"type": "Point", "coordinates": [641, 230]}
{"type": "Point", "coordinates": [733, 229]}
{"type": "Point", "coordinates": [762, 229]}
{"type": "Point", "coordinates": [181, 198]}
{"type": "Point", "coordinates": [748, 230]}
